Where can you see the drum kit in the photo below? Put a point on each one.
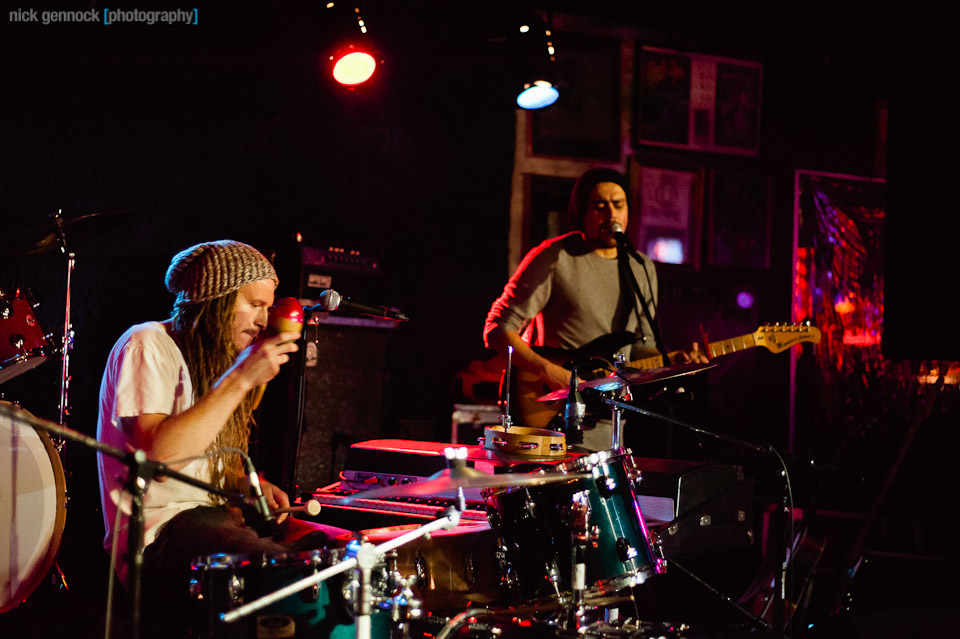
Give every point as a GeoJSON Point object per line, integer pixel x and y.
{"type": "Point", "coordinates": [32, 485]}
{"type": "Point", "coordinates": [562, 551]}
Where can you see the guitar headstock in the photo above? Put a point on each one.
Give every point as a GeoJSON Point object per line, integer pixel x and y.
{"type": "Point", "coordinates": [777, 338]}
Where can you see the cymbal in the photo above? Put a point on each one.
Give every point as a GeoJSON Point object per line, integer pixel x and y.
{"type": "Point", "coordinates": [44, 238]}
{"type": "Point", "coordinates": [443, 481]}
{"type": "Point", "coordinates": [631, 377]}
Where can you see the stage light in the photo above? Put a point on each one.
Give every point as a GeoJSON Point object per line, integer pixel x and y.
{"type": "Point", "coordinates": [745, 300]}
{"type": "Point", "coordinates": [535, 61]}
{"type": "Point", "coordinates": [353, 60]}
{"type": "Point", "coordinates": [354, 67]}
{"type": "Point", "coordinates": [539, 95]}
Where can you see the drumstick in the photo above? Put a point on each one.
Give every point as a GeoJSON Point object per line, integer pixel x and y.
{"type": "Point", "coordinates": [311, 507]}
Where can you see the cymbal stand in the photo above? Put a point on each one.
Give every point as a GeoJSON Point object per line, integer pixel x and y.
{"type": "Point", "coordinates": [617, 411]}
{"type": "Point", "coordinates": [65, 348]}
{"type": "Point", "coordinates": [67, 338]}
{"type": "Point", "coordinates": [505, 419]}
{"type": "Point", "coordinates": [617, 418]}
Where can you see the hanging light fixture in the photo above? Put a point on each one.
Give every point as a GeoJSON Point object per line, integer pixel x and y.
{"type": "Point", "coordinates": [352, 58]}
{"type": "Point", "coordinates": [535, 61]}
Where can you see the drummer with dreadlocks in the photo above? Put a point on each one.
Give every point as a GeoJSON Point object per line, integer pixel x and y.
{"type": "Point", "coordinates": [183, 390]}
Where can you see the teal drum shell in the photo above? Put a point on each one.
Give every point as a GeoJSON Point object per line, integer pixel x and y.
{"type": "Point", "coordinates": [537, 523]}
{"type": "Point", "coordinates": [220, 583]}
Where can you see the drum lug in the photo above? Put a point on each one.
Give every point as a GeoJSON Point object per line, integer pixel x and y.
{"type": "Point", "coordinates": [469, 569]}
{"type": "Point", "coordinates": [196, 590]}
{"type": "Point", "coordinates": [606, 486]}
{"type": "Point", "coordinates": [530, 506]}
{"type": "Point", "coordinates": [235, 589]}
{"type": "Point", "coordinates": [625, 551]}
{"type": "Point", "coordinates": [423, 577]}
{"type": "Point", "coordinates": [311, 594]}
{"type": "Point", "coordinates": [635, 477]}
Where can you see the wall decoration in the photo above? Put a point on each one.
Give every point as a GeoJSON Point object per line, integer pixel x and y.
{"type": "Point", "coordinates": [698, 102]}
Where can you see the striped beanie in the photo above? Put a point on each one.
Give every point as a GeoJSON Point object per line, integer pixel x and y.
{"type": "Point", "coordinates": [213, 269]}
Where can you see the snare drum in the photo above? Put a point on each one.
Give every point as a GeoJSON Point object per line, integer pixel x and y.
{"type": "Point", "coordinates": [23, 345]}
{"type": "Point", "coordinates": [537, 523]}
{"type": "Point", "coordinates": [33, 507]}
{"type": "Point", "coordinates": [224, 582]}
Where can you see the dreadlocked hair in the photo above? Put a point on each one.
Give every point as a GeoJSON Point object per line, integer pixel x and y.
{"type": "Point", "coordinates": [209, 351]}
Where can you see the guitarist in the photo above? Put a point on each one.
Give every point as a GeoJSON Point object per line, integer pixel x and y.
{"type": "Point", "coordinates": [578, 287]}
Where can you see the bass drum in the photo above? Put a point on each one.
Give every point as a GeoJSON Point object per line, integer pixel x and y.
{"type": "Point", "coordinates": [33, 506]}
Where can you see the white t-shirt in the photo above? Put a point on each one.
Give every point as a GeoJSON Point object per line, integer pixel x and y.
{"type": "Point", "coordinates": [145, 373]}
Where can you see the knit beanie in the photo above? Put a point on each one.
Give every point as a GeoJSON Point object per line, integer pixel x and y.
{"type": "Point", "coordinates": [213, 269]}
{"type": "Point", "coordinates": [579, 197]}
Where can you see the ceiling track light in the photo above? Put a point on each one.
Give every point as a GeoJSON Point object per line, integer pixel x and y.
{"type": "Point", "coordinates": [535, 61]}
{"type": "Point", "coordinates": [353, 60]}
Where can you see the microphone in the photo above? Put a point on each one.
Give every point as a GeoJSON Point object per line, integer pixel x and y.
{"type": "Point", "coordinates": [617, 231]}
{"type": "Point", "coordinates": [266, 522]}
{"type": "Point", "coordinates": [330, 300]}
{"type": "Point", "coordinates": [574, 411]}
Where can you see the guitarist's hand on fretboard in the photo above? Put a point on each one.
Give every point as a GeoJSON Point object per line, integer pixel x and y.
{"type": "Point", "coordinates": [528, 387]}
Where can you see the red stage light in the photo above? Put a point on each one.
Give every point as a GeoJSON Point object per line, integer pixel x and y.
{"type": "Point", "coordinates": [354, 67]}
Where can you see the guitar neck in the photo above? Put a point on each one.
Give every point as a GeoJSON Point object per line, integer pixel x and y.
{"type": "Point", "coordinates": [714, 349]}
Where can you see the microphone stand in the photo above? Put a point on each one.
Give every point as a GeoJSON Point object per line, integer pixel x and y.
{"type": "Point", "coordinates": [142, 471]}
{"type": "Point", "coordinates": [780, 578]}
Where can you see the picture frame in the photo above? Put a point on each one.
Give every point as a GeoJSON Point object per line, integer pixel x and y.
{"type": "Point", "coordinates": [739, 219]}
{"type": "Point", "coordinates": [698, 102]}
{"type": "Point", "coordinates": [667, 209]}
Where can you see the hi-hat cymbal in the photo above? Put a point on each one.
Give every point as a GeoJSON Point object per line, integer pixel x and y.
{"type": "Point", "coordinates": [632, 377]}
{"type": "Point", "coordinates": [444, 481]}
{"type": "Point", "coordinates": [44, 238]}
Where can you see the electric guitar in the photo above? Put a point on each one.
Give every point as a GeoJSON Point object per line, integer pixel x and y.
{"type": "Point", "coordinates": [527, 387]}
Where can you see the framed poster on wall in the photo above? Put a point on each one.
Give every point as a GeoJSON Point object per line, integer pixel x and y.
{"type": "Point", "coordinates": [667, 204]}
{"type": "Point", "coordinates": [698, 102]}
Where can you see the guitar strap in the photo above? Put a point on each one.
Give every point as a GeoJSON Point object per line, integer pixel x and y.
{"type": "Point", "coordinates": [624, 252]}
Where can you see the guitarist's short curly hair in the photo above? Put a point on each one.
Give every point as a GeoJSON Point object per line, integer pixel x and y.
{"type": "Point", "coordinates": [585, 184]}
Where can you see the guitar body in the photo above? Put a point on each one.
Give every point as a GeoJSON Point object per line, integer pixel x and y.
{"type": "Point", "coordinates": [527, 388]}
